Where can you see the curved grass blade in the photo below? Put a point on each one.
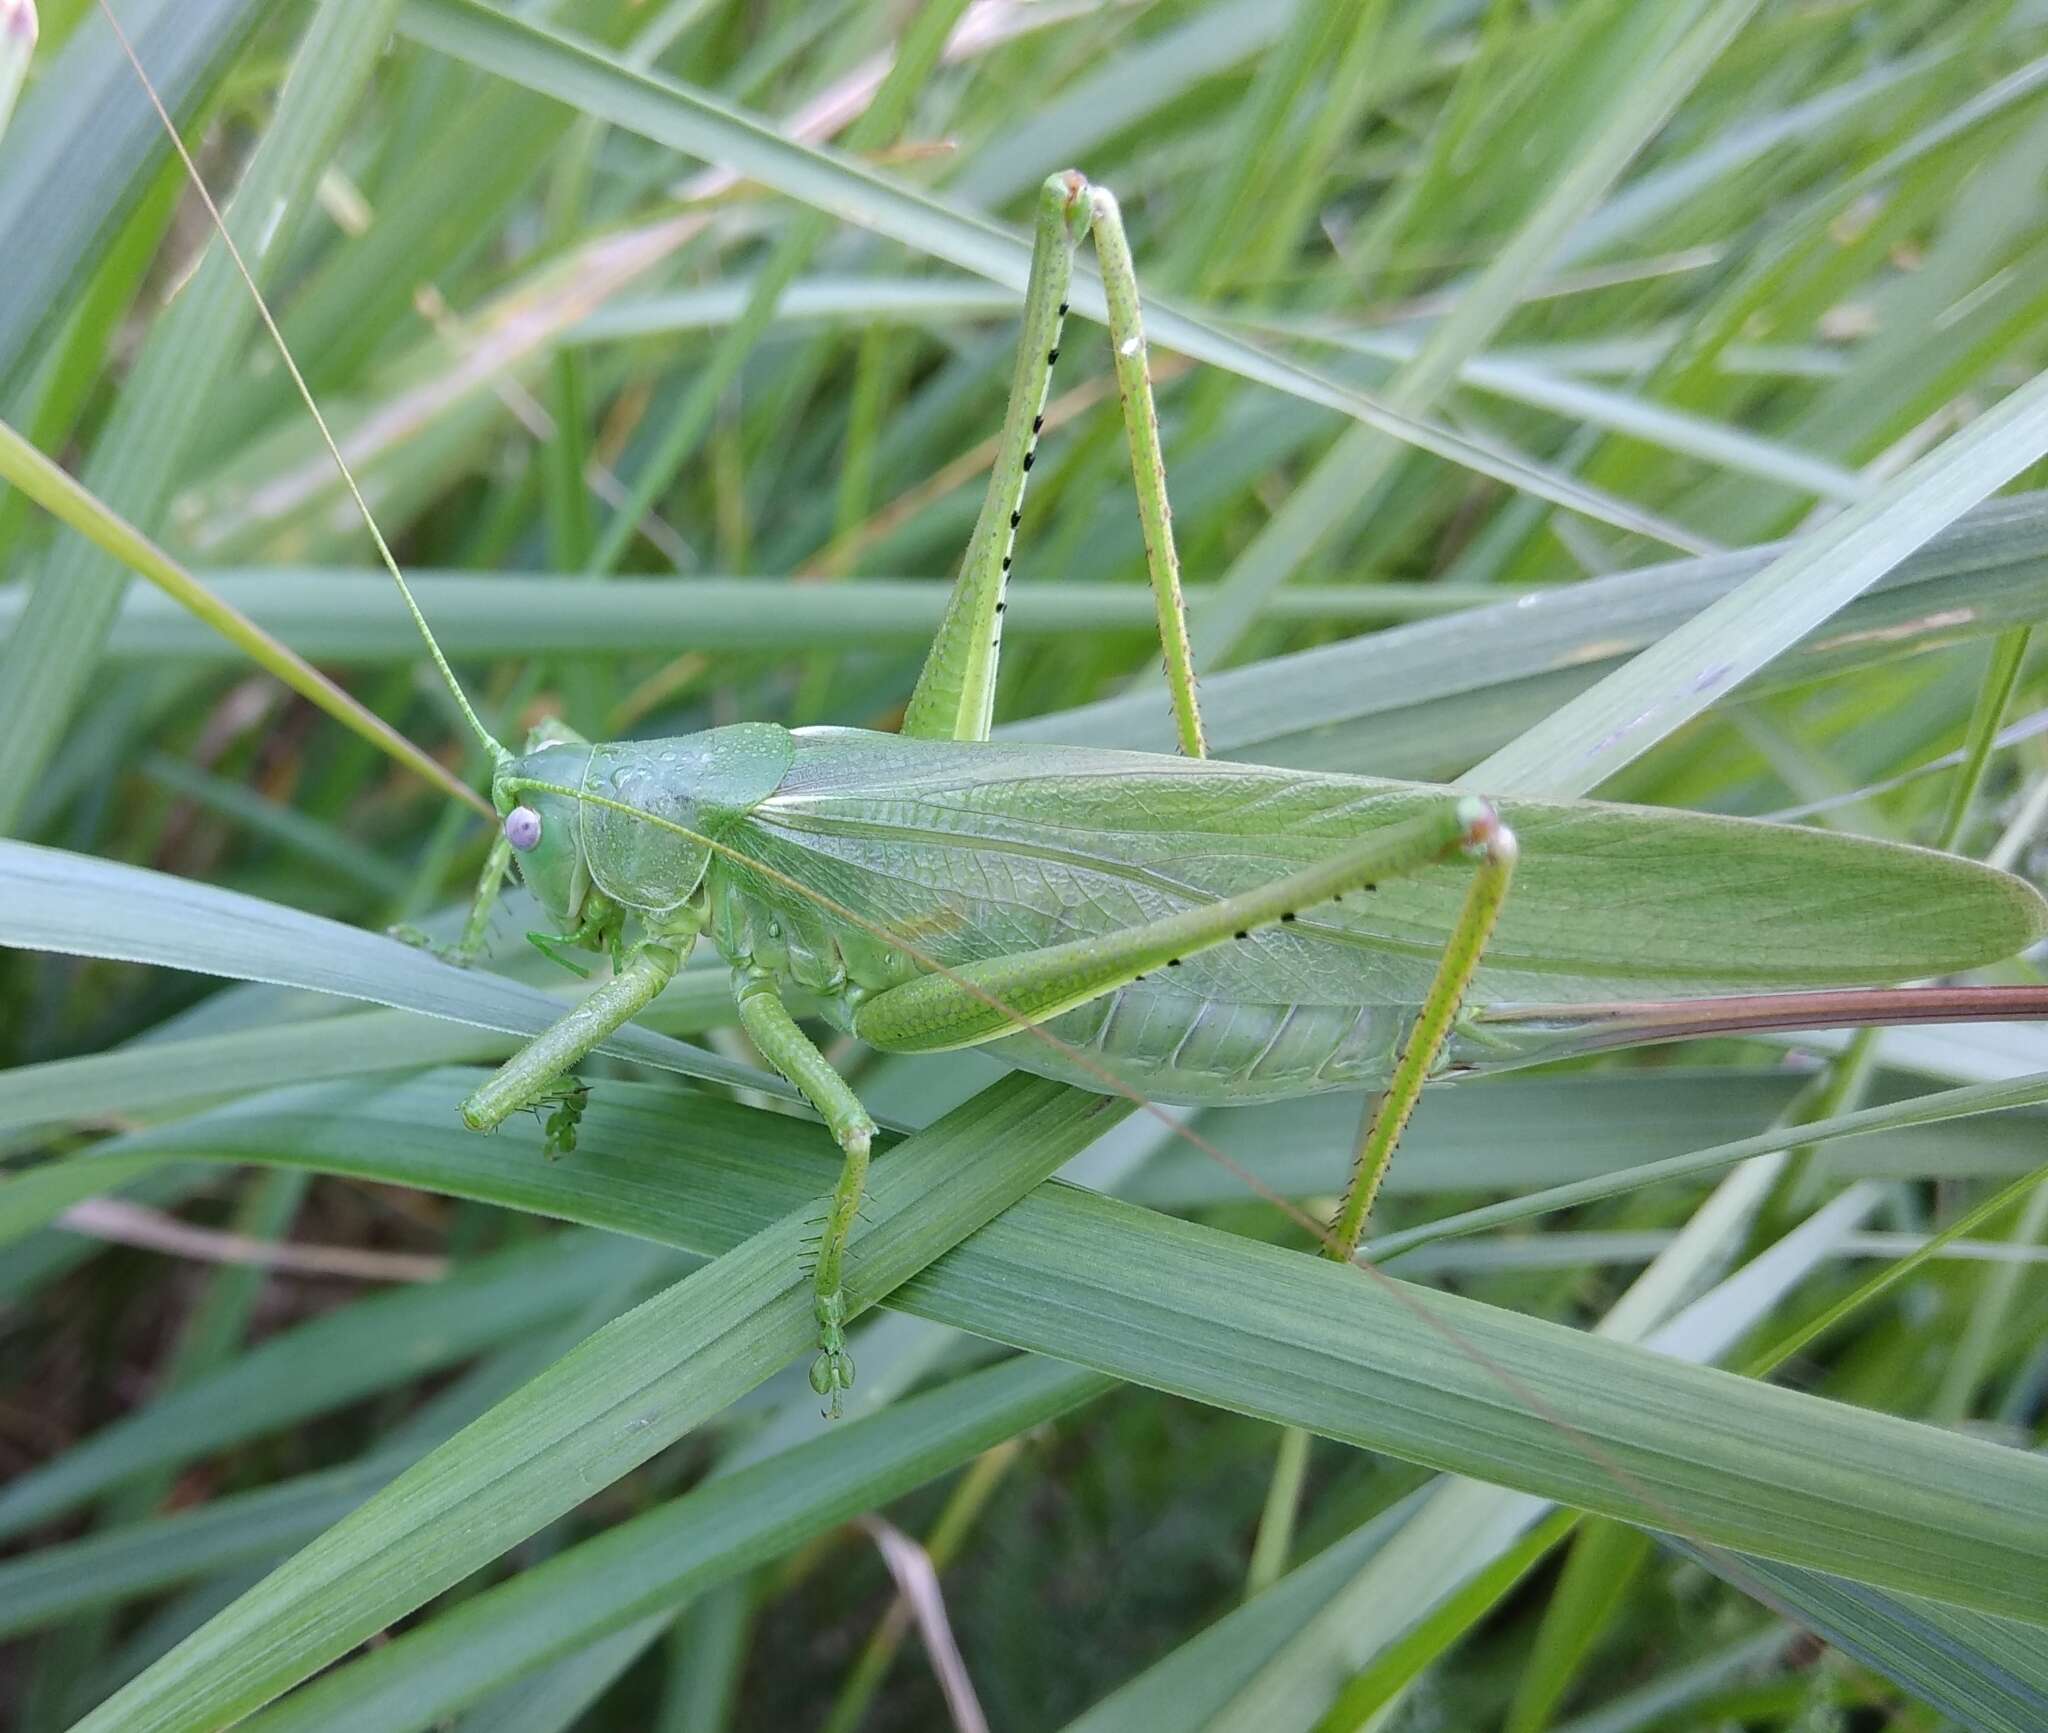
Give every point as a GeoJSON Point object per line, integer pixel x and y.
{"type": "Point", "coordinates": [69, 501]}
{"type": "Point", "coordinates": [54, 901]}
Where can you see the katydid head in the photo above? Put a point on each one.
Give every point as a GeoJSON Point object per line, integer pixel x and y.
{"type": "Point", "coordinates": [533, 793]}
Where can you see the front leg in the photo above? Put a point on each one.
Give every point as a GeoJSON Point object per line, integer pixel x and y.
{"type": "Point", "coordinates": [477, 929]}
{"type": "Point", "coordinates": [536, 1072]}
{"type": "Point", "coordinates": [793, 1053]}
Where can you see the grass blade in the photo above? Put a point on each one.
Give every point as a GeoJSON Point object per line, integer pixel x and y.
{"type": "Point", "coordinates": [82, 146]}
{"type": "Point", "coordinates": [1291, 1339]}
{"type": "Point", "coordinates": [66, 499]}
{"type": "Point", "coordinates": [48, 660]}
{"type": "Point", "coordinates": [670, 114]}
{"type": "Point", "coordinates": [91, 908]}
{"type": "Point", "coordinates": [1580, 745]}
{"type": "Point", "coordinates": [625, 1393]}
{"type": "Point", "coordinates": [650, 1564]}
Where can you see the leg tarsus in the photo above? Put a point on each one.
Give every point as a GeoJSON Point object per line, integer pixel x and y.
{"type": "Point", "coordinates": [469, 944]}
{"type": "Point", "coordinates": [567, 1097]}
{"type": "Point", "coordinates": [832, 1370]}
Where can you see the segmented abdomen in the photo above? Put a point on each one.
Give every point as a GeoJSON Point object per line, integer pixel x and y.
{"type": "Point", "coordinates": [1179, 1047]}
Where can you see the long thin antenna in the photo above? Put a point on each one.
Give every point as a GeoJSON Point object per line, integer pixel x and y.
{"type": "Point", "coordinates": [469, 715]}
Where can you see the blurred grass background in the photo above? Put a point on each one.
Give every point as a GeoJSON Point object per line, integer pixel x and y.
{"type": "Point", "coordinates": [670, 449]}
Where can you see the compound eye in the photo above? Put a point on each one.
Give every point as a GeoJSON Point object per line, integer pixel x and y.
{"type": "Point", "coordinates": [522, 828]}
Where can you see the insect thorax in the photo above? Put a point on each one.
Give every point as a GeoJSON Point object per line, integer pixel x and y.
{"type": "Point", "coordinates": [652, 811]}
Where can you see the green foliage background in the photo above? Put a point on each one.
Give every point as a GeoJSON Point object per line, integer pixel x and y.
{"type": "Point", "coordinates": [665, 337]}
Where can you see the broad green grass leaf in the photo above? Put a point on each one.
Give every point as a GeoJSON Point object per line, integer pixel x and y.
{"type": "Point", "coordinates": [1469, 1544]}
{"type": "Point", "coordinates": [92, 908]}
{"type": "Point", "coordinates": [625, 1393]}
{"type": "Point", "coordinates": [651, 1563]}
{"type": "Point", "coordinates": [734, 1153]}
{"type": "Point", "coordinates": [1990, 1674]}
{"type": "Point", "coordinates": [1428, 1377]}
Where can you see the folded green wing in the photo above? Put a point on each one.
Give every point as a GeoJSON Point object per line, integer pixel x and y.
{"type": "Point", "coordinates": [976, 849]}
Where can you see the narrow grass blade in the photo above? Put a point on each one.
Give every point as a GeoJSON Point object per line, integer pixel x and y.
{"type": "Point", "coordinates": [1429, 699]}
{"type": "Point", "coordinates": [685, 120]}
{"type": "Point", "coordinates": [384, 1340]}
{"type": "Point", "coordinates": [104, 1569]}
{"type": "Point", "coordinates": [152, 1076]}
{"type": "Point", "coordinates": [48, 661]}
{"type": "Point", "coordinates": [1578, 746]}
{"type": "Point", "coordinates": [66, 499]}
{"type": "Point", "coordinates": [348, 614]}
{"type": "Point", "coordinates": [1990, 1674]}
{"type": "Point", "coordinates": [1673, 48]}
{"type": "Point", "coordinates": [82, 146]}
{"type": "Point", "coordinates": [1971, 1098]}
{"type": "Point", "coordinates": [650, 1564]}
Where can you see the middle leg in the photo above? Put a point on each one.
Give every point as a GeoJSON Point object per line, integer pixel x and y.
{"type": "Point", "coordinates": [785, 1046]}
